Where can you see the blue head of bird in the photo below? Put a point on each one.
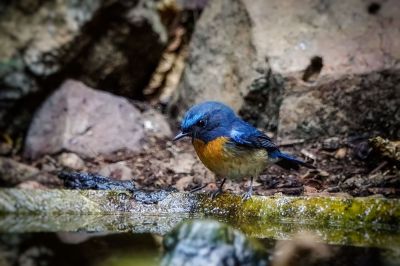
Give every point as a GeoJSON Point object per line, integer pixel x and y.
{"type": "Point", "coordinates": [207, 121]}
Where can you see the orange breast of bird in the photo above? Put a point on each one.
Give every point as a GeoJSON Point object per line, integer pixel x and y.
{"type": "Point", "coordinates": [228, 162]}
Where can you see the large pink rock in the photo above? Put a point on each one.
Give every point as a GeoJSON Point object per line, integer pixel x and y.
{"type": "Point", "coordinates": [79, 119]}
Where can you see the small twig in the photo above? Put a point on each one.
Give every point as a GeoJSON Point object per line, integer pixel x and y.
{"type": "Point", "coordinates": [286, 191]}
{"type": "Point", "coordinates": [379, 167]}
{"type": "Point", "coordinates": [308, 154]}
{"type": "Point", "coordinates": [198, 188]}
{"type": "Point", "coordinates": [291, 142]}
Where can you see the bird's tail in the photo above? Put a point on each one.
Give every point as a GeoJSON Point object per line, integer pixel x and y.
{"type": "Point", "coordinates": [289, 162]}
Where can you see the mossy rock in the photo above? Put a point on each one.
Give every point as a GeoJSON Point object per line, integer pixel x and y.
{"type": "Point", "coordinates": [368, 221]}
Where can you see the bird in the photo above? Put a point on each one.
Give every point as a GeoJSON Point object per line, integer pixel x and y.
{"type": "Point", "coordinates": [229, 146]}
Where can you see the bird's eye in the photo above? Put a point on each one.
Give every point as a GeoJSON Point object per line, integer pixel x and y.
{"type": "Point", "coordinates": [201, 123]}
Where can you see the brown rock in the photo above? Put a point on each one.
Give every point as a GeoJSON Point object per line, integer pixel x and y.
{"type": "Point", "coordinates": [71, 160]}
{"type": "Point", "coordinates": [110, 45]}
{"type": "Point", "coordinates": [183, 183]}
{"type": "Point", "coordinates": [30, 184]}
{"type": "Point", "coordinates": [310, 190]}
{"type": "Point", "coordinates": [346, 105]}
{"type": "Point", "coordinates": [341, 153]}
{"type": "Point", "coordinates": [79, 119]}
{"type": "Point", "coordinates": [119, 170]}
{"type": "Point", "coordinates": [316, 73]}
{"type": "Point", "coordinates": [182, 163]}
{"type": "Point", "coordinates": [215, 68]}
{"type": "Point", "coordinates": [13, 172]}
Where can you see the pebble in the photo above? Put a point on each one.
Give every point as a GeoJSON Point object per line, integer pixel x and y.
{"type": "Point", "coordinates": [71, 160]}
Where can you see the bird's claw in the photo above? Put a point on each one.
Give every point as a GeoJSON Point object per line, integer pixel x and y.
{"type": "Point", "coordinates": [247, 195]}
{"type": "Point", "coordinates": [216, 193]}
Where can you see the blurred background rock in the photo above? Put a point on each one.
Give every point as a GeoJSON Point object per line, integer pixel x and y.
{"type": "Point", "coordinates": [109, 45]}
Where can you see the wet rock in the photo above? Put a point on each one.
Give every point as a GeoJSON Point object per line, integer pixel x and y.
{"type": "Point", "coordinates": [71, 161]}
{"type": "Point", "coordinates": [81, 180]}
{"type": "Point", "coordinates": [310, 75]}
{"type": "Point", "coordinates": [152, 197]}
{"type": "Point", "coordinates": [261, 216]}
{"type": "Point", "coordinates": [13, 172]}
{"type": "Point", "coordinates": [118, 170]}
{"type": "Point", "coordinates": [201, 243]}
{"type": "Point", "coordinates": [87, 122]}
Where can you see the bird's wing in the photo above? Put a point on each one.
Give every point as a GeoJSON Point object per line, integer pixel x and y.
{"type": "Point", "coordinates": [245, 134]}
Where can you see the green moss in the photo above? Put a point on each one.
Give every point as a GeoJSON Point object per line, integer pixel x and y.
{"type": "Point", "coordinates": [327, 211]}
{"type": "Point", "coordinates": [349, 235]}
{"type": "Point", "coordinates": [333, 211]}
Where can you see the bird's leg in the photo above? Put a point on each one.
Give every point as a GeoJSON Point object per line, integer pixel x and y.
{"type": "Point", "coordinates": [249, 192]}
{"type": "Point", "coordinates": [215, 193]}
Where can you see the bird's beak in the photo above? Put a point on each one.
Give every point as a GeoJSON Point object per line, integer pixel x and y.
{"type": "Point", "coordinates": [180, 135]}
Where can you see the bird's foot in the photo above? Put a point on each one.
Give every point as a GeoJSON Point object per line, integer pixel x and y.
{"type": "Point", "coordinates": [216, 193]}
{"type": "Point", "coordinates": [247, 195]}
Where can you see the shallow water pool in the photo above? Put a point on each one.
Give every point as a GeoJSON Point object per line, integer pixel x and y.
{"type": "Point", "coordinates": [122, 240]}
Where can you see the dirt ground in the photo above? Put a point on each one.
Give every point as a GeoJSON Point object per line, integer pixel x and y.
{"type": "Point", "coordinates": [344, 165]}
